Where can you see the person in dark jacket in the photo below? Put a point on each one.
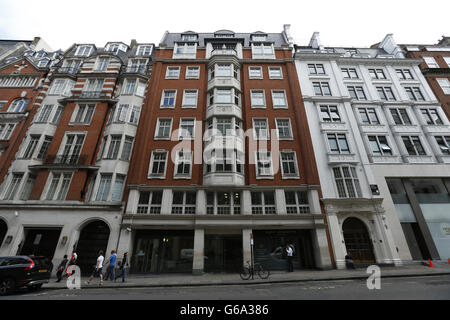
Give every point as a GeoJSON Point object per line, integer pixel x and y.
{"type": "Point", "coordinates": [123, 267]}
{"type": "Point", "coordinates": [61, 268]}
{"type": "Point", "coordinates": [349, 262]}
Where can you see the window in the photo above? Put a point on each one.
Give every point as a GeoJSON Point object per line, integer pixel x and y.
{"type": "Point", "coordinates": [279, 99]}
{"type": "Point", "coordinates": [122, 112]}
{"type": "Point", "coordinates": [404, 74]}
{"type": "Point", "coordinates": [338, 143]}
{"type": "Point", "coordinates": [140, 90]}
{"type": "Point", "coordinates": [284, 128]}
{"type": "Point", "coordinates": [183, 163]}
{"type": "Point", "coordinates": [44, 148]}
{"type": "Point", "coordinates": [224, 96]}
{"type": "Point", "coordinates": [414, 93]}
{"type": "Point", "coordinates": [431, 116]}
{"type": "Point", "coordinates": [444, 84]}
{"type": "Point", "coordinates": [102, 148]}
{"type": "Point", "coordinates": [172, 72]}
{"type": "Point", "coordinates": [261, 129]}
{"type": "Point", "coordinates": [349, 73]}
{"type": "Point", "coordinates": [158, 163]}
{"type": "Point", "coordinates": [431, 62]}
{"type": "Point", "coordinates": [377, 73]}
{"type": "Point", "coordinates": [44, 113]}
{"type": "Point", "coordinates": [262, 49]}
{"type": "Point", "coordinates": [93, 87]}
{"type": "Point", "coordinates": [275, 73]}
{"type": "Point", "coordinates": [144, 50]}
{"type": "Point", "coordinates": [59, 186]}
{"type": "Point", "coordinates": [168, 98]}
{"type": "Point", "coordinates": [84, 114]}
{"type": "Point", "coordinates": [288, 164]}
{"type": "Point", "coordinates": [264, 163]}
{"type": "Point", "coordinates": [223, 126]}
{"type": "Point", "coordinates": [261, 37]}
{"type": "Point", "coordinates": [356, 93]}
{"type": "Point", "coordinates": [257, 98]}
{"type": "Point", "coordinates": [347, 182]}
{"type": "Point", "coordinates": [71, 149]}
{"type": "Point", "coordinates": [114, 147]}
{"type": "Point", "coordinates": [83, 50]}
{"type": "Point", "coordinates": [18, 105]}
{"type": "Point", "coordinates": [443, 143]}
{"type": "Point", "coordinates": [413, 145]}
{"type": "Point", "coordinates": [223, 70]}
{"type": "Point", "coordinates": [385, 93]}
{"type": "Point", "coordinates": [379, 145]}
{"type": "Point", "coordinates": [316, 69]}
{"type": "Point", "coordinates": [185, 48]}
{"type": "Point", "coordinates": [263, 202]}
{"type": "Point", "coordinates": [329, 113]}
{"type": "Point", "coordinates": [255, 72]}
{"type": "Point", "coordinates": [192, 72]}
{"type": "Point", "coordinates": [104, 187]}
{"type": "Point", "coordinates": [26, 191]}
{"type": "Point", "coordinates": [223, 202]}
{"type": "Point", "coordinates": [296, 202]}
{"type": "Point", "coordinates": [321, 88]}
{"type": "Point", "coordinates": [13, 186]}
{"type": "Point", "coordinates": [400, 116]}
{"type": "Point", "coordinates": [163, 128]}
{"type": "Point", "coordinates": [118, 188]}
{"type": "Point", "coordinates": [115, 47]}
{"type": "Point", "coordinates": [150, 202]}
{"type": "Point", "coordinates": [57, 86]}
{"type": "Point", "coordinates": [34, 139]}
{"type": "Point", "coordinates": [190, 99]}
{"type": "Point", "coordinates": [128, 89]}
{"type": "Point", "coordinates": [368, 116]}
{"type": "Point", "coordinates": [184, 202]}
{"type": "Point", "coordinates": [135, 114]}
{"type": "Point", "coordinates": [127, 147]}
{"type": "Point", "coordinates": [186, 130]}
{"type": "Point", "coordinates": [58, 114]}
{"type": "Point", "coordinates": [6, 130]}
{"type": "Point", "coordinates": [102, 64]}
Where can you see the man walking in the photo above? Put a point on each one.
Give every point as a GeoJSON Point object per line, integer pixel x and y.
{"type": "Point", "coordinates": [98, 269]}
{"type": "Point", "coordinates": [289, 255]}
{"type": "Point", "coordinates": [110, 270]}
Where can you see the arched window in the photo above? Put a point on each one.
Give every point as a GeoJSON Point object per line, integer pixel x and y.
{"type": "Point", "coordinates": [18, 105]}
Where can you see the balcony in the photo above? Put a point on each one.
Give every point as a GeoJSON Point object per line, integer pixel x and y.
{"type": "Point", "coordinates": [66, 160]}
{"type": "Point", "coordinates": [224, 109]}
{"type": "Point", "coordinates": [94, 96]}
{"type": "Point", "coordinates": [139, 70]}
{"type": "Point", "coordinates": [67, 70]}
{"type": "Point", "coordinates": [224, 52]}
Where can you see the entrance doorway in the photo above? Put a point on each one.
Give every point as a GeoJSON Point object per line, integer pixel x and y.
{"type": "Point", "coordinates": [415, 240]}
{"type": "Point", "coordinates": [223, 253]}
{"type": "Point", "coordinates": [40, 242]}
{"type": "Point", "coordinates": [357, 241]}
{"type": "Point", "coordinates": [93, 238]}
{"type": "Point", "coordinates": [3, 231]}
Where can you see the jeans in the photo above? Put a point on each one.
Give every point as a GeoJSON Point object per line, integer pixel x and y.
{"type": "Point", "coordinates": [290, 264]}
{"type": "Point", "coordinates": [123, 274]}
{"type": "Point", "coordinates": [110, 273]}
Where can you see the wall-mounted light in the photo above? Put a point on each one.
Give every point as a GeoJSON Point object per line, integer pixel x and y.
{"type": "Point", "coordinates": [8, 239]}
{"type": "Point", "coordinates": [64, 240]}
{"type": "Point", "coordinates": [16, 213]}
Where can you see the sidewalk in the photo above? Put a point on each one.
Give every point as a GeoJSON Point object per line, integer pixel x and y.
{"type": "Point", "coordinates": [179, 280]}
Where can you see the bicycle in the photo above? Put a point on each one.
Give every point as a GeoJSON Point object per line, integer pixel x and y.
{"type": "Point", "coordinates": [248, 271]}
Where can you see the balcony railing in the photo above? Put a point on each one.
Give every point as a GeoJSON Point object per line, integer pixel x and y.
{"type": "Point", "coordinates": [144, 70]}
{"type": "Point", "coordinates": [66, 160]}
{"type": "Point", "coordinates": [67, 70]}
{"type": "Point", "coordinates": [90, 95]}
{"type": "Point", "coordinates": [224, 52]}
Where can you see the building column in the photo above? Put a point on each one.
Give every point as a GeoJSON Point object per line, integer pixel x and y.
{"type": "Point", "coordinates": [337, 240]}
{"type": "Point", "coordinates": [246, 246]}
{"type": "Point", "coordinates": [125, 242]}
{"type": "Point", "coordinates": [166, 202]}
{"type": "Point", "coordinates": [280, 201]}
{"type": "Point", "coordinates": [314, 202]}
{"type": "Point", "coordinates": [321, 250]}
{"type": "Point", "coordinates": [199, 255]}
{"type": "Point", "coordinates": [201, 202]}
{"type": "Point", "coordinates": [246, 202]}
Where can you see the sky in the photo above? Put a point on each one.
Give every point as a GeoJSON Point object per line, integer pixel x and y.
{"type": "Point", "coordinates": [356, 23]}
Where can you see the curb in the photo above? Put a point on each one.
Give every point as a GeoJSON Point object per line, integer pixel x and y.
{"type": "Point", "coordinates": [244, 282]}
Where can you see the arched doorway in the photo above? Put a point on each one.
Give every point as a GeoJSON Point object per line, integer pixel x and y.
{"type": "Point", "coordinates": [357, 241]}
{"type": "Point", "coordinates": [3, 231]}
{"type": "Point", "coordinates": [93, 238]}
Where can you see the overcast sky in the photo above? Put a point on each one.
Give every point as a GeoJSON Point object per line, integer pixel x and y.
{"type": "Point", "coordinates": [340, 22]}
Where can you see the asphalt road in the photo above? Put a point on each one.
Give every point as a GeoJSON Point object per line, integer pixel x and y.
{"type": "Point", "coordinates": [427, 288]}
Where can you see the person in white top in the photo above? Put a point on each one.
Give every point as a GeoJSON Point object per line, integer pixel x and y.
{"type": "Point", "coordinates": [289, 254]}
{"type": "Point", "coordinates": [98, 268]}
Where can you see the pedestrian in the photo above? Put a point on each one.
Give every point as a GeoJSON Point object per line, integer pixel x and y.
{"type": "Point", "coordinates": [72, 262]}
{"type": "Point", "coordinates": [123, 267]}
{"type": "Point", "coordinates": [289, 256]}
{"type": "Point", "coordinates": [349, 262]}
{"type": "Point", "coordinates": [110, 270]}
{"type": "Point", "coordinates": [98, 269]}
{"type": "Point", "coordinates": [61, 268]}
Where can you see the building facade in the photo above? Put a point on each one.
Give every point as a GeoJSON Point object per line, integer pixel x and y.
{"type": "Point", "coordinates": [374, 119]}
{"type": "Point", "coordinates": [225, 154]}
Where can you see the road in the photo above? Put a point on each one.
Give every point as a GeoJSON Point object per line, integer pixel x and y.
{"type": "Point", "coordinates": [428, 288]}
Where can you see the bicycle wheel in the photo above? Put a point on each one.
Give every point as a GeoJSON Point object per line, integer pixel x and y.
{"type": "Point", "coordinates": [263, 274]}
{"type": "Point", "coordinates": [245, 274]}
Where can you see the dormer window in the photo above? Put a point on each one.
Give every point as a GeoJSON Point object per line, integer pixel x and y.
{"type": "Point", "coordinates": [144, 50]}
{"type": "Point", "coordinates": [186, 48]}
{"type": "Point", "coordinates": [259, 37]}
{"type": "Point", "coordinates": [83, 50]}
{"type": "Point", "coordinates": [189, 37]}
{"type": "Point", "coordinates": [39, 54]}
{"type": "Point", "coordinates": [115, 47]}
{"type": "Point", "coordinates": [43, 63]}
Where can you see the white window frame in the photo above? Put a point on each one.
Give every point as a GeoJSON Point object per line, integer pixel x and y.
{"type": "Point", "coordinates": [431, 62]}
{"type": "Point", "coordinates": [158, 126]}
{"type": "Point", "coordinates": [196, 76]}
{"type": "Point", "coordinates": [172, 69]}
{"type": "Point", "coordinates": [162, 105]}
{"type": "Point", "coordinates": [84, 120]}
{"type": "Point", "coordinates": [83, 50]}
{"type": "Point", "coordinates": [267, 159]}
{"type": "Point", "coordinates": [189, 91]}
{"type": "Point", "coordinates": [271, 75]}
{"type": "Point", "coordinates": [6, 130]}
{"type": "Point", "coordinates": [57, 194]}
{"type": "Point", "coordinates": [104, 190]}
{"type": "Point", "coordinates": [444, 83]}
{"type": "Point", "coordinates": [186, 160]}
{"type": "Point", "coordinates": [258, 76]}
{"type": "Point", "coordinates": [181, 131]}
{"type": "Point", "coordinates": [296, 174]}
{"type": "Point", "coordinates": [142, 50]}
{"type": "Point", "coordinates": [285, 106]}
{"type": "Point", "coordinates": [256, 106]}
{"type": "Point", "coordinates": [255, 135]}
{"type": "Point", "coordinates": [291, 136]}
{"type": "Point", "coordinates": [152, 162]}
